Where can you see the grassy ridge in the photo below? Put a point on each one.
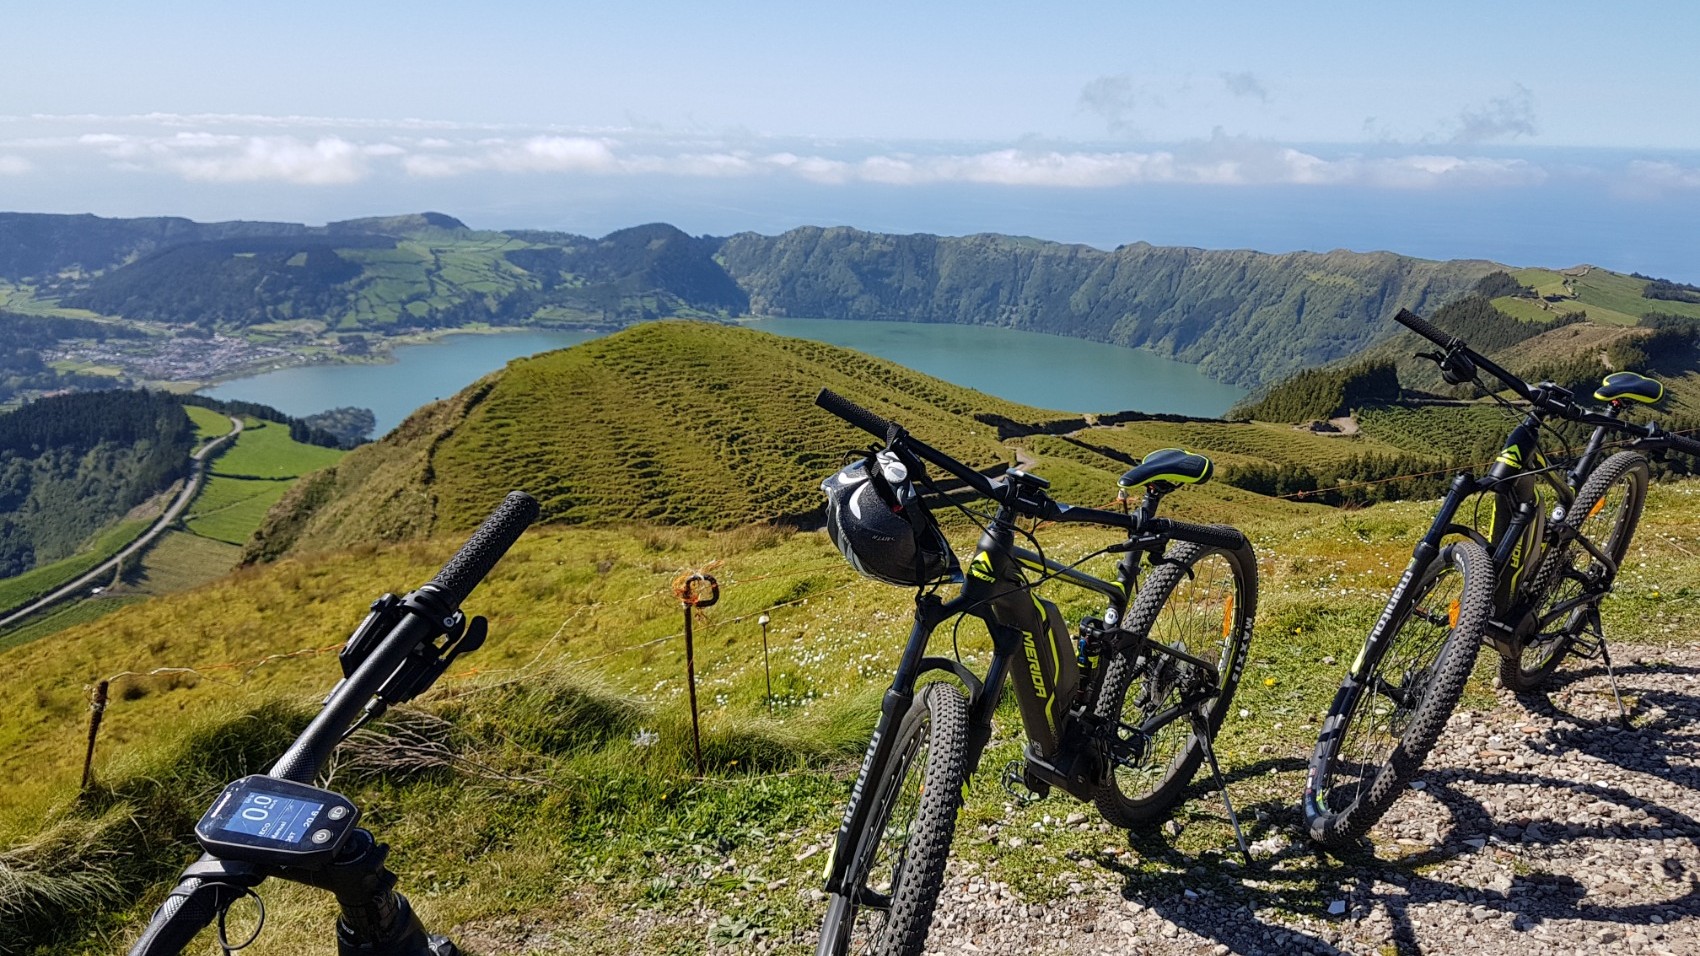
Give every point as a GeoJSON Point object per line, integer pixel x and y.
{"type": "Point", "coordinates": [674, 422]}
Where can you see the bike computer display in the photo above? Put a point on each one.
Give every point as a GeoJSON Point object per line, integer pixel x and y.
{"type": "Point", "coordinates": [268, 821]}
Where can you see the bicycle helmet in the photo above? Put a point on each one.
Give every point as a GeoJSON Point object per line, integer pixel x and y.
{"type": "Point", "coordinates": [875, 517]}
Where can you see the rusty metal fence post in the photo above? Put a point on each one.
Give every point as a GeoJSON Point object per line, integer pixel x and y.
{"type": "Point", "coordinates": [690, 598]}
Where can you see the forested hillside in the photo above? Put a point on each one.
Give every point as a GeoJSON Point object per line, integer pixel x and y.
{"type": "Point", "coordinates": [69, 465]}
{"type": "Point", "coordinates": [1241, 316]}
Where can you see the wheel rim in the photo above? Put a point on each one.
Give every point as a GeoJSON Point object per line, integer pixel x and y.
{"type": "Point", "coordinates": [1390, 694]}
{"type": "Point", "coordinates": [1201, 617]}
{"type": "Point", "coordinates": [1603, 525]}
{"type": "Point", "coordinates": [884, 859]}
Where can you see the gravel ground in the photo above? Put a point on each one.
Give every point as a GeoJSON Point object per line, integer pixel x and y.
{"type": "Point", "coordinates": [1538, 826]}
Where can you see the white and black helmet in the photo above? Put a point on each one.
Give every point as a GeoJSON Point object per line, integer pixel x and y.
{"type": "Point", "coordinates": [875, 517]}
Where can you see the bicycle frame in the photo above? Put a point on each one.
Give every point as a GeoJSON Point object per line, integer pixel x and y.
{"type": "Point", "coordinates": [1031, 647]}
{"type": "Point", "coordinates": [1515, 540]}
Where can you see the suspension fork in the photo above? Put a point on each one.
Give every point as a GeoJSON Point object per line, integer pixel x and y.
{"type": "Point", "coordinates": [894, 706]}
{"type": "Point", "coordinates": [1400, 601]}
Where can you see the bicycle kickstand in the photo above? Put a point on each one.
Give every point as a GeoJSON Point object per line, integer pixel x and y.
{"type": "Point", "coordinates": [1201, 730]}
{"type": "Point", "coordinates": [1596, 647]}
{"type": "Point", "coordinates": [1611, 674]}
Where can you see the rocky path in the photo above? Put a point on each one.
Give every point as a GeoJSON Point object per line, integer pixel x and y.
{"type": "Point", "coordinates": [1537, 828]}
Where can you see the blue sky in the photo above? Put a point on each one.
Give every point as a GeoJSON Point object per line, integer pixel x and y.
{"type": "Point", "coordinates": [946, 117]}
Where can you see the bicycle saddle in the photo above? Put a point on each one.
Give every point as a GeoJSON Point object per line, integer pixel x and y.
{"type": "Point", "coordinates": [1630, 385]}
{"type": "Point", "coordinates": [1169, 466]}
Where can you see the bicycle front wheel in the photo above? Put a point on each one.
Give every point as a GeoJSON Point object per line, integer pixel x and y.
{"type": "Point", "coordinates": [1392, 706]}
{"type": "Point", "coordinates": [895, 876]}
{"type": "Point", "coordinates": [1605, 512]}
{"type": "Point", "coordinates": [1201, 601]}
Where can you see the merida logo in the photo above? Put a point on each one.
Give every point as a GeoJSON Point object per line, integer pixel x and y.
{"type": "Point", "coordinates": [1035, 669]}
{"type": "Point", "coordinates": [982, 566]}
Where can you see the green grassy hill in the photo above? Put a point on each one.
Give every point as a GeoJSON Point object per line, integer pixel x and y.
{"type": "Point", "coordinates": [677, 423]}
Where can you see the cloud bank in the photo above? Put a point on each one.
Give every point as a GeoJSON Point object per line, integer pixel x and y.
{"type": "Point", "coordinates": [317, 152]}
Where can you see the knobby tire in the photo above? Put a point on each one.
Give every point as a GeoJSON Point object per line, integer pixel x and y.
{"type": "Point", "coordinates": [1377, 734]}
{"type": "Point", "coordinates": [902, 852]}
{"type": "Point", "coordinates": [1201, 600]}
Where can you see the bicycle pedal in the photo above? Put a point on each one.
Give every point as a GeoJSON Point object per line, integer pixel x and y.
{"type": "Point", "coordinates": [1588, 646]}
{"type": "Point", "coordinates": [1032, 791]}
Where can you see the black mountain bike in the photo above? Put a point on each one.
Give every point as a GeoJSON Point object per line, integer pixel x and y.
{"type": "Point", "coordinates": [1524, 573]}
{"type": "Point", "coordinates": [278, 825]}
{"type": "Point", "coordinates": [1121, 713]}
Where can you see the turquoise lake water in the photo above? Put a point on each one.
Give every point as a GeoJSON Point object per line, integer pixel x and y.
{"type": "Point", "coordinates": [1048, 371]}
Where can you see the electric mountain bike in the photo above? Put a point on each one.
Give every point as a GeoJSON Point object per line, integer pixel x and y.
{"type": "Point", "coordinates": [278, 825]}
{"type": "Point", "coordinates": [1518, 558]}
{"type": "Point", "coordinates": [1120, 713]}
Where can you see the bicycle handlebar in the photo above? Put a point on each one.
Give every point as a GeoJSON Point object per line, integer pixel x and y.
{"type": "Point", "coordinates": [1427, 330]}
{"type": "Point", "coordinates": [195, 902]}
{"type": "Point", "coordinates": [1540, 396]}
{"type": "Point", "coordinates": [1453, 344]}
{"type": "Point", "coordinates": [190, 908]}
{"type": "Point", "coordinates": [1687, 446]}
{"type": "Point", "coordinates": [1003, 492]}
{"type": "Point", "coordinates": [882, 429]}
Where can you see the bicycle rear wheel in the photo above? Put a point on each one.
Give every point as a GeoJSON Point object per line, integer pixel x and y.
{"type": "Point", "coordinates": [898, 869]}
{"type": "Point", "coordinates": [1391, 707]}
{"type": "Point", "coordinates": [1605, 512]}
{"type": "Point", "coordinates": [1202, 601]}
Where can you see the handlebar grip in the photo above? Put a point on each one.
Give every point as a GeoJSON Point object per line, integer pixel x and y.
{"type": "Point", "coordinates": [1687, 446]}
{"type": "Point", "coordinates": [486, 546]}
{"type": "Point", "coordinates": [1215, 536]}
{"type": "Point", "coordinates": [853, 413]}
{"type": "Point", "coordinates": [1424, 328]}
{"type": "Point", "coordinates": [189, 909]}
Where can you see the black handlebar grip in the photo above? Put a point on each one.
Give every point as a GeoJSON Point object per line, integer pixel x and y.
{"type": "Point", "coordinates": [1687, 446]}
{"type": "Point", "coordinates": [1215, 536]}
{"type": "Point", "coordinates": [189, 909]}
{"type": "Point", "coordinates": [1424, 328]}
{"type": "Point", "coordinates": [486, 546]}
{"type": "Point", "coordinates": [853, 413]}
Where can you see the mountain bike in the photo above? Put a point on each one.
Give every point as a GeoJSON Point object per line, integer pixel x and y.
{"type": "Point", "coordinates": [1525, 574]}
{"type": "Point", "coordinates": [278, 825]}
{"type": "Point", "coordinates": [1120, 713]}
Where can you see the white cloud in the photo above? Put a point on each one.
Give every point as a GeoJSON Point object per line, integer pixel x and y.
{"type": "Point", "coordinates": [224, 152]}
{"type": "Point", "coordinates": [1662, 175]}
{"type": "Point", "coordinates": [14, 165]}
{"type": "Point", "coordinates": [326, 161]}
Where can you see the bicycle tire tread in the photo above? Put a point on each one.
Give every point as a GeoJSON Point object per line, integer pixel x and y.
{"type": "Point", "coordinates": [1116, 808]}
{"type": "Point", "coordinates": [1344, 828]}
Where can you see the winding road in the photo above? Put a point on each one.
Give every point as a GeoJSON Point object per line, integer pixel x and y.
{"type": "Point", "coordinates": [197, 477]}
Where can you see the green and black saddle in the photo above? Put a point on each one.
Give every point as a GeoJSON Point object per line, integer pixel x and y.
{"type": "Point", "coordinates": [1166, 468]}
{"type": "Point", "coordinates": [1634, 387]}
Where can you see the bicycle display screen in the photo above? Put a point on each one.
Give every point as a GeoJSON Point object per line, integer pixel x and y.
{"type": "Point", "coordinates": [274, 817]}
{"type": "Point", "coordinates": [266, 820]}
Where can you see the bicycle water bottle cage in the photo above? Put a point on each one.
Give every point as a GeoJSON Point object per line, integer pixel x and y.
{"type": "Point", "coordinates": [1620, 386]}
{"type": "Point", "coordinates": [1168, 467]}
